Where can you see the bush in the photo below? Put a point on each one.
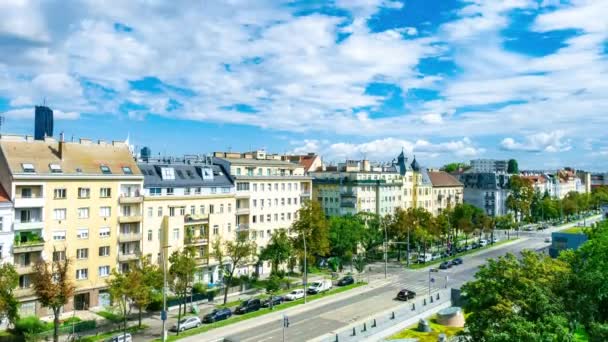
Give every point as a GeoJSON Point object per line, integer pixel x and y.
{"type": "Point", "coordinates": [32, 325]}
{"type": "Point", "coordinates": [199, 288]}
{"type": "Point", "coordinates": [211, 295]}
{"type": "Point", "coordinates": [110, 316]}
{"type": "Point", "coordinates": [71, 320]}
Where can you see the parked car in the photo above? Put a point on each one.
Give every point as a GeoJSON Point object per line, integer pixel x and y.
{"type": "Point", "coordinates": [406, 295]}
{"type": "Point", "coordinates": [474, 245]}
{"type": "Point", "coordinates": [217, 315]}
{"type": "Point", "coordinates": [121, 338]}
{"type": "Point", "coordinates": [295, 294]}
{"type": "Point", "coordinates": [547, 240]}
{"type": "Point", "coordinates": [445, 265]}
{"type": "Point", "coordinates": [187, 323]}
{"type": "Point", "coordinates": [319, 286]}
{"type": "Point", "coordinates": [495, 240]}
{"type": "Point", "coordinates": [436, 256]}
{"type": "Point", "coordinates": [483, 243]}
{"type": "Point", "coordinates": [347, 280]}
{"type": "Point", "coordinates": [468, 247]}
{"type": "Point", "coordinates": [274, 300]}
{"type": "Point", "coordinates": [422, 258]}
{"type": "Point", "coordinates": [457, 261]}
{"type": "Point", "coordinates": [249, 305]}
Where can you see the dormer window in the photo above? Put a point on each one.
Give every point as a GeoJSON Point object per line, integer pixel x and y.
{"type": "Point", "coordinates": [55, 168]}
{"type": "Point", "coordinates": [27, 167]}
{"type": "Point", "coordinates": [168, 173]}
{"type": "Point", "coordinates": [105, 169]}
{"type": "Point", "coordinates": [127, 170]}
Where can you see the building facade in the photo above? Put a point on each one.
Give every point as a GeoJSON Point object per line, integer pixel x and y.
{"type": "Point", "coordinates": [71, 200]}
{"type": "Point", "coordinates": [269, 193]}
{"type": "Point", "coordinates": [7, 236]}
{"type": "Point", "coordinates": [487, 191]}
{"type": "Point", "coordinates": [43, 122]}
{"type": "Point", "coordinates": [188, 202]}
{"type": "Point", "coordinates": [447, 191]}
{"type": "Point", "coordinates": [489, 165]}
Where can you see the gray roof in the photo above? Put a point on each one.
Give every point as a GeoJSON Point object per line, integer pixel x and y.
{"type": "Point", "coordinates": [261, 162]}
{"type": "Point", "coordinates": [186, 175]}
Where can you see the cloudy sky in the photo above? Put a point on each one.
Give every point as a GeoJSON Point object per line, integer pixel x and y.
{"type": "Point", "coordinates": [446, 80]}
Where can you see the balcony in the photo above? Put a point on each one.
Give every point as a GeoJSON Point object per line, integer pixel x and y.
{"type": "Point", "coordinates": [25, 269]}
{"type": "Point", "coordinates": [28, 202]}
{"type": "Point", "coordinates": [242, 211]}
{"type": "Point", "coordinates": [305, 193]}
{"type": "Point", "coordinates": [196, 241]}
{"type": "Point", "coordinates": [348, 194]}
{"type": "Point", "coordinates": [28, 246]}
{"type": "Point", "coordinates": [129, 237]}
{"type": "Point", "coordinates": [126, 199]}
{"type": "Point", "coordinates": [347, 205]}
{"type": "Point", "coordinates": [201, 261]}
{"type": "Point", "coordinates": [129, 219]}
{"type": "Point", "coordinates": [24, 292]}
{"type": "Point", "coordinates": [196, 219]}
{"type": "Point", "coordinates": [28, 225]}
{"type": "Point", "coordinates": [243, 194]}
{"type": "Point", "coordinates": [243, 226]}
{"type": "Point", "coordinates": [129, 257]}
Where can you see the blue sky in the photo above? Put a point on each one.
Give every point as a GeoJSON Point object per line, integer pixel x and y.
{"type": "Point", "coordinates": [446, 80]}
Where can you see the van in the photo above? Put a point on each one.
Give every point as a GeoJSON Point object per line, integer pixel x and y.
{"type": "Point", "coordinates": [483, 243]}
{"type": "Point", "coordinates": [422, 258]}
{"type": "Point", "coordinates": [319, 286]}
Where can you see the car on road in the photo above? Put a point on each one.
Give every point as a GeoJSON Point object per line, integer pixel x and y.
{"type": "Point", "coordinates": [187, 323]}
{"type": "Point", "coordinates": [483, 243]}
{"type": "Point", "coordinates": [320, 286]}
{"type": "Point", "coordinates": [249, 305]}
{"type": "Point", "coordinates": [436, 256]}
{"type": "Point", "coordinates": [217, 315]}
{"type": "Point", "coordinates": [346, 280]}
{"type": "Point", "coordinates": [295, 295]}
{"type": "Point", "coordinates": [406, 294]}
{"type": "Point", "coordinates": [457, 261]}
{"type": "Point", "coordinates": [445, 265]}
{"type": "Point", "coordinates": [426, 257]}
{"type": "Point", "coordinates": [121, 338]}
{"type": "Point", "coordinates": [273, 300]}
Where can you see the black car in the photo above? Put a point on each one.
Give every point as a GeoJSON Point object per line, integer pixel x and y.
{"type": "Point", "coordinates": [445, 265]}
{"type": "Point", "coordinates": [248, 305]}
{"type": "Point", "coordinates": [217, 315]}
{"type": "Point", "coordinates": [274, 300]}
{"type": "Point", "coordinates": [457, 261]}
{"type": "Point", "coordinates": [406, 294]}
{"type": "Point", "coordinates": [347, 280]}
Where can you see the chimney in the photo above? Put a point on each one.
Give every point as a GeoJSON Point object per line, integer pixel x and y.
{"type": "Point", "coordinates": [61, 146]}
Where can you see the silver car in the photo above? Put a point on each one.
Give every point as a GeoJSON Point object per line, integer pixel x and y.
{"type": "Point", "coordinates": [187, 323]}
{"type": "Point", "coordinates": [121, 338]}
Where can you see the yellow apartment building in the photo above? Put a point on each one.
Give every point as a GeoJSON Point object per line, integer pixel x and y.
{"type": "Point", "coordinates": [79, 200]}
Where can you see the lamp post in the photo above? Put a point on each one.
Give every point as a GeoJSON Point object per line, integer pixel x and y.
{"type": "Point", "coordinates": [305, 268]}
{"type": "Point", "coordinates": [385, 252]}
{"type": "Point", "coordinates": [164, 313]}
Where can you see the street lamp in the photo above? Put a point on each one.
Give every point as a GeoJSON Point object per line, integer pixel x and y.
{"type": "Point", "coordinates": [305, 268]}
{"type": "Point", "coordinates": [385, 252]}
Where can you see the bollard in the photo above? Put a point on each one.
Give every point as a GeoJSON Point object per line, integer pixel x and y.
{"type": "Point", "coordinates": [374, 325]}
{"type": "Point", "coordinates": [364, 327]}
{"type": "Point", "coordinates": [337, 338]}
{"type": "Point", "coordinates": [437, 296]}
{"type": "Point", "coordinates": [413, 306]}
{"type": "Point", "coordinates": [424, 302]}
{"type": "Point", "coordinates": [354, 332]}
{"type": "Point", "coordinates": [393, 315]}
{"type": "Point", "coordinates": [431, 299]}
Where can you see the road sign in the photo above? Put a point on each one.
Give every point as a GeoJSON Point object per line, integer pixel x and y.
{"type": "Point", "coordinates": [163, 315]}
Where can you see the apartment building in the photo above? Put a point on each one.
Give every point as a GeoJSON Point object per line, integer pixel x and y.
{"type": "Point", "coordinates": [269, 193]}
{"type": "Point", "coordinates": [447, 191]}
{"type": "Point", "coordinates": [188, 202]}
{"type": "Point", "coordinates": [489, 165]}
{"type": "Point", "coordinates": [6, 227]}
{"type": "Point", "coordinates": [487, 191]}
{"type": "Point", "coordinates": [71, 199]}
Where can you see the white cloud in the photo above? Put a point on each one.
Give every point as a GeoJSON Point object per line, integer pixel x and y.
{"type": "Point", "coordinates": [28, 113]}
{"type": "Point", "coordinates": [539, 142]}
{"type": "Point", "coordinates": [432, 118]}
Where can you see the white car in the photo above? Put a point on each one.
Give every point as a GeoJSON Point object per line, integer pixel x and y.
{"type": "Point", "coordinates": [319, 286]}
{"type": "Point", "coordinates": [121, 338]}
{"type": "Point", "coordinates": [295, 294]}
{"type": "Point", "coordinates": [483, 243]}
{"type": "Point", "coordinates": [187, 323]}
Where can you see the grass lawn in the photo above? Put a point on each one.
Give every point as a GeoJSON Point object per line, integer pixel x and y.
{"type": "Point", "coordinates": [438, 261]}
{"type": "Point", "coordinates": [432, 336]}
{"type": "Point", "coordinates": [110, 316]}
{"type": "Point", "coordinates": [573, 230]}
{"type": "Point", "coordinates": [261, 312]}
{"type": "Point", "coordinates": [103, 337]}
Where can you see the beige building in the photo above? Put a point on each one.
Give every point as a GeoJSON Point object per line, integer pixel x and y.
{"type": "Point", "coordinates": [72, 199]}
{"type": "Point", "coordinates": [269, 193]}
{"type": "Point", "coordinates": [188, 202]}
{"type": "Point", "coordinates": [447, 191]}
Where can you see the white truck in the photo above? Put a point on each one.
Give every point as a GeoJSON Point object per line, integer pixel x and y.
{"type": "Point", "coordinates": [319, 286]}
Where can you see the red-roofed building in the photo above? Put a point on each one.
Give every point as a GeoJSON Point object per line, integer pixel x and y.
{"type": "Point", "coordinates": [311, 162]}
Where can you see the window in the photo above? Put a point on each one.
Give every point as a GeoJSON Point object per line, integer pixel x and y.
{"type": "Point", "coordinates": [186, 191]}
{"type": "Point", "coordinates": [289, 201]}
{"type": "Point", "coordinates": [59, 235]}
{"type": "Point", "coordinates": [105, 169]}
{"type": "Point", "coordinates": [160, 211]}
{"type": "Point", "coordinates": [105, 211]}
{"type": "Point", "coordinates": [104, 232]}
{"type": "Point", "coordinates": [254, 219]}
{"type": "Point", "coordinates": [155, 191]}
{"type": "Point", "coordinates": [83, 213]}
{"type": "Point", "coordinates": [82, 233]}
{"type": "Point", "coordinates": [104, 251]}
{"type": "Point", "coordinates": [254, 235]}
{"type": "Point", "coordinates": [58, 255]}
{"type": "Point", "coordinates": [221, 208]}
{"type": "Point", "coordinates": [213, 190]}
{"type": "Point", "coordinates": [289, 187]}
{"type": "Point", "coordinates": [169, 191]}
{"type": "Point", "coordinates": [175, 234]}
{"type": "Point", "coordinates": [150, 211]}
{"type": "Point", "coordinates": [84, 192]}
{"type": "Point", "coordinates": [202, 208]}
{"type": "Point", "coordinates": [189, 173]}
{"type": "Point", "coordinates": [192, 210]}
{"type": "Point", "coordinates": [261, 218]}
{"type": "Point", "coordinates": [59, 214]}
{"type": "Point", "coordinates": [60, 193]}
{"type": "Point", "coordinates": [105, 192]}
{"type": "Point", "coordinates": [229, 227]}
{"type": "Point", "coordinates": [180, 174]}
{"type": "Point", "coordinates": [289, 216]}
{"type": "Point", "coordinates": [276, 186]}
{"type": "Point", "coordinates": [255, 187]}
{"type": "Point", "coordinates": [149, 234]}
{"type": "Point", "coordinates": [268, 218]}
{"type": "Point", "coordinates": [211, 209]}
{"type": "Point", "coordinates": [27, 167]}
{"type": "Point", "coordinates": [268, 173]}
{"type": "Point", "coordinates": [261, 234]}
{"type": "Point", "coordinates": [1, 223]}
{"type": "Point", "coordinates": [260, 170]}
{"type": "Point", "coordinates": [229, 207]}
{"type": "Point", "coordinates": [269, 187]}
{"type": "Point", "coordinates": [197, 191]}
{"type": "Point", "coordinates": [171, 211]}
{"type": "Point", "coordinates": [26, 193]}
{"type": "Point", "coordinates": [82, 253]}
{"type": "Point", "coordinates": [276, 217]}
{"type": "Point", "coordinates": [55, 168]}
{"type": "Point", "coordinates": [282, 201]}
{"type": "Point", "coordinates": [216, 229]}
{"type": "Point", "coordinates": [104, 271]}
{"type": "Point", "coordinates": [282, 186]}
{"type": "Point", "coordinates": [127, 170]}
{"type": "Point", "coordinates": [255, 203]}
{"type": "Point", "coordinates": [167, 173]}
{"type": "Point", "coordinates": [238, 171]}
{"type": "Point", "coordinates": [282, 216]}
{"type": "Point", "coordinates": [82, 274]}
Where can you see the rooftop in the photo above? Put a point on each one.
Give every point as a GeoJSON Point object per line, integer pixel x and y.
{"type": "Point", "coordinates": [443, 179]}
{"type": "Point", "coordinates": [175, 174]}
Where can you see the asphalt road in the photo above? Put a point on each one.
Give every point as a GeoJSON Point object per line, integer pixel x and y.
{"type": "Point", "coordinates": [330, 317]}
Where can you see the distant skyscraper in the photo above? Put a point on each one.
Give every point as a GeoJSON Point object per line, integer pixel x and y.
{"type": "Point", "coordinates": [43, 123]}
{"type": "Point", "coordinates": [145, 153]}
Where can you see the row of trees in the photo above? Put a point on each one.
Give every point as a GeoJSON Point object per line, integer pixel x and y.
{"type": "Point", "coordinates": [537, 298]}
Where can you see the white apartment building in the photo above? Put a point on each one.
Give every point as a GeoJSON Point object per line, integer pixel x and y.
{"type": "Point", "coordinates": [6, 227]}
{"type": "Point", "coordinates": [269, 193]}
{"type": "Point", "coordinates": [488, 165]}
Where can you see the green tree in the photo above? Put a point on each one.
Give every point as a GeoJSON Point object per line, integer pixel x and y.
{"type": "Point", "coordinates": [515, 299]}
{"type": "Point", "coordinates": [278, 249]}
{"type": "Point", "coordinates": [144, 279]}
{"type": "Point", "coordinates": [512, 167]}
{"type": "Point", "coordinates": [520, 198]}
{"type": "Point", "coordinates": [465, 217]}
{"type": "Point", "coordinates": [119, 288]}
{"type": "Point", "coordinates": [239, 252]}
{"type": "Point", "coordinates": [9, 305]}
{"type": "Point", "coordinates": [311, 225]}
{"type": "Point", "coordinates": [273, 284]}
{"type": "Point", "coordinates": [417, 223]}
{"type": "Point", "coordinates": [453, 167]}
{"type": "Point", "coordinates": [345, 234]}
{"type": "Point", "coordinates": [373, 232]}
{"type": "Point", "coordinates": [181, 275]}
{"type": "Point", "coordinates": [53, 287]}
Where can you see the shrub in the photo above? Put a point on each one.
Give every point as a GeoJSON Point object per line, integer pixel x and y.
{"type": "Point", "coordinates": [32, 325]}
{"type": "Point", "coordinates": [71, 320]}
{"type": "Point", "coordinates": [199, 288]}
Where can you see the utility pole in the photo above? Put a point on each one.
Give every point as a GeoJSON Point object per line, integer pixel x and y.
{"type": "Point", "coordinates": [408, 247]}
{"type": "Point", "coordinates": [163, 315]}
{"type": "Point", "coordinates": [305, 269]}
{"type": "Point", "coordinates": [431, 280]}
{"type": "Point", "coordinates": [285, 325]}
{"type": "Point", "coordinates": [385, 252]}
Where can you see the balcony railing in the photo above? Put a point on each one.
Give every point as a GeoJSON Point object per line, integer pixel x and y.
{"type": "Point", "coordinates": [201, 261]}
{"type": "Point", "coordinates": [243, 226]}
{"type": "Point", "coordinates": [196, 240]}
{"type": "Point", "coordinates": [28, 202]}
{"type": "Point", "coordinates": [242, 211]}
{"type": "Point", "coordinates": [28, 246]}
{"type": "Point", "coordinates": [305, 193]}
{"type": "Point", "coordinates": [129, 237]}
{"type": "Point", "coordinates": [29, 225]}
{"type": "Point", "coordinates": [129, 219]}
{"type": "Point", "coordinates": [347, 205]}
{"type": "Point", "coordinates": [122, 257]}
{"type": "Point", "coordinates": [348, 194]}
{"type": "Point", "coordinates": [130, 199]}
{"type": "Point", "coordinates": [24, 292]}
{"type": "Point", "coordinates": [25, 269]}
